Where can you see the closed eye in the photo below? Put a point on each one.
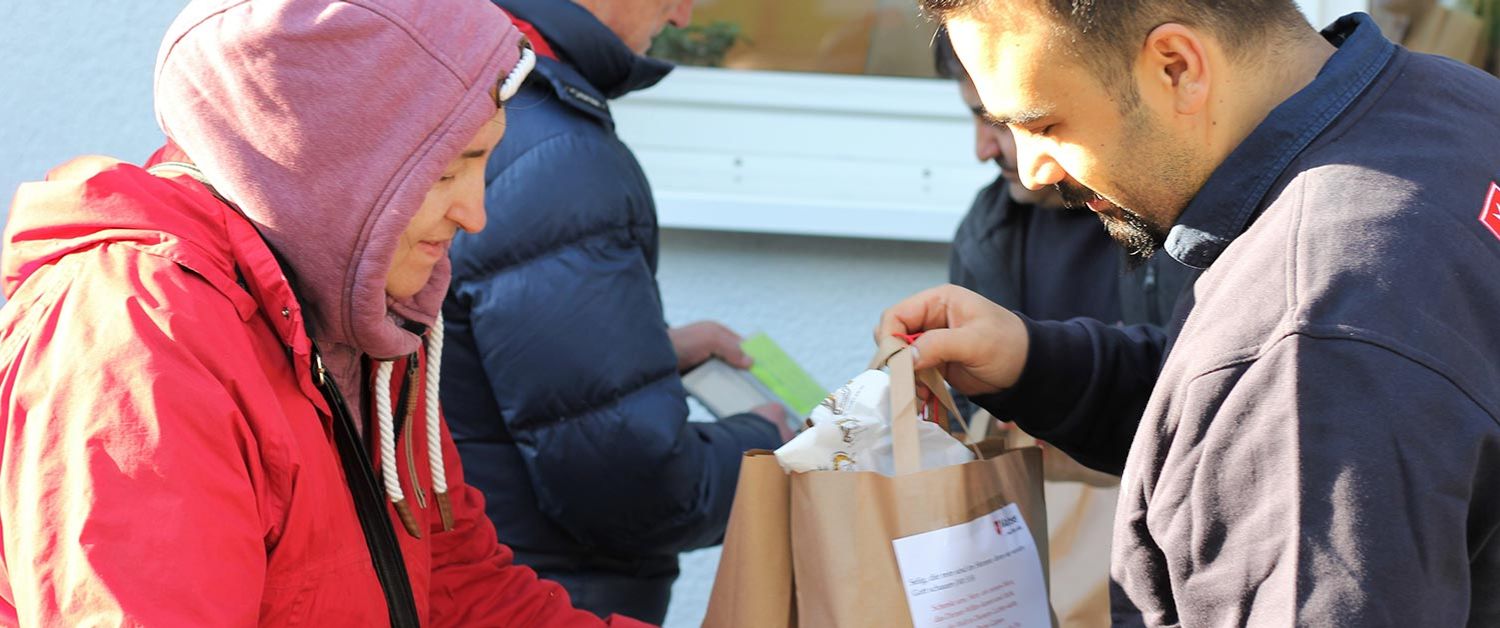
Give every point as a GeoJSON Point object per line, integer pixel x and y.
{"type": "Point", "coordinates": [1044, 130]}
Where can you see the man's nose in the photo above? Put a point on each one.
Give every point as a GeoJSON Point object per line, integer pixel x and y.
{"type": "Point", "coordinates": [1037, 167]}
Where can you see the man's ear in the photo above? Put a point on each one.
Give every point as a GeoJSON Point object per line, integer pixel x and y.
{"type": "Point", "coordinates": [1174, 64]}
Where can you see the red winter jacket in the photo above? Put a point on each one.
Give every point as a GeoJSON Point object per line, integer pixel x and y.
{"type": "Point", "coordinates": [166, 459]}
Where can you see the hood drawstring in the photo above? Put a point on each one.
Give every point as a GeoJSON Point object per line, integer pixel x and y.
{"type": "Point", "coordinates": [434, 430]}
{"type": "Point", "coordinates": [385, 422]}
{"type": "Point", "coordinates": [518, 74]}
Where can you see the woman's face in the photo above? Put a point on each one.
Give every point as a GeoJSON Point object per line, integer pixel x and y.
{"type": "Point", "coordinates": [455, 202]}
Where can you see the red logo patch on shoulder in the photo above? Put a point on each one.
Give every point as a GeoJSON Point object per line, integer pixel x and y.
{"type": "Point", "coordinates": [1490, 215]}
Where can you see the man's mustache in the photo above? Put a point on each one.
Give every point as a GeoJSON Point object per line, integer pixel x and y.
{"type": "Point", "coordinates": [1074, 195]}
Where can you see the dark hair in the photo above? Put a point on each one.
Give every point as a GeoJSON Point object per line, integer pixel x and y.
{"type": "Point", "coordinates": [1106, 33]}
{"type": "Point", "coordinates": [944, 59]}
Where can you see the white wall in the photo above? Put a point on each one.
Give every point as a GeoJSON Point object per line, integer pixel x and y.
{"type": "Point", "coordinates": [805, 154]}
{"type": "Point", "coordinates": [75, 78]}
{"type": "Point", "coordinates": [1323, 12]}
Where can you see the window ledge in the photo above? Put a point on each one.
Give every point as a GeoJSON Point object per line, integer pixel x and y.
{"type": "Point", "coordinates": [816, 154]}
{"type": "Point", "coordinates": [813, 154]}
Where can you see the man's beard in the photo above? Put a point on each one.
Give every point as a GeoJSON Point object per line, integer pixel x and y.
{"type": "Point", "coordinates": [1139, 236]}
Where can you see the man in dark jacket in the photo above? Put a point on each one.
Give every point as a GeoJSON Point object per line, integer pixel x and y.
{"type": "Point", "coordinates": [560, 376]}
{"type": "Point", "coordinates": [1027, 250]}
{"type": "Point", "coordinates": [1322, 444]}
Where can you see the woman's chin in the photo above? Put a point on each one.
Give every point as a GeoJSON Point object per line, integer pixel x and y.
{"type": "Point", "coordinates": [407, 286]}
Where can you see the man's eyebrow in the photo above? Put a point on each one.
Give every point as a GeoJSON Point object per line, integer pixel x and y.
{"type": "Point", "coordinates": [475, 154]}
{"type": "Point", "coordinates": [1020, 118]}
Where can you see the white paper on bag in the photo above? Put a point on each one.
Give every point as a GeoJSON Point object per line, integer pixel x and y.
{"type": "Point", "coordinates": [982, 573]}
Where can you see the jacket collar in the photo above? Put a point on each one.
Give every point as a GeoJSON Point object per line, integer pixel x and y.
{"type": "Point", "coordinates": [259, 275]}
{"type": "Point", "coordinates": [603, 67]}
{"type": "Point", "coordinates": [1232, 197]}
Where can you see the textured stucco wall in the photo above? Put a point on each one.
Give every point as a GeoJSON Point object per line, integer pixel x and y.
{"type": "Point", "coordinates": [75, 79]}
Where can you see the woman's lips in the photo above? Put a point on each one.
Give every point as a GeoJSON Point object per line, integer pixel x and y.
{"type": "Point", "coordinates": [434, 248]}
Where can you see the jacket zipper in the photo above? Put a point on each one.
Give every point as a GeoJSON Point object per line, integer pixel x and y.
{"type": "Point", "coordinates": [1153, 309]}
{"type": "Point", "coordinates": [411, 407]}
{"type": "Point", "coordinates": [369, 504]}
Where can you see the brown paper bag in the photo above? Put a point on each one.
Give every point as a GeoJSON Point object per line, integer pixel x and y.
{"type": "Point", "coordinates": [1395, 17]}
{"type": "Point", "coordinates": [1056, 465]}
{"type": "Point", "coordinates": [842, 525]}
{"type": "Point", "coordinates": [1453, 33]}
{"type": "Point", "coordinates": [1082, 520]}
{"type": "Point", "coordinates": [1080, 513]}
{"type": "Point", "coordinates": [754, 583]}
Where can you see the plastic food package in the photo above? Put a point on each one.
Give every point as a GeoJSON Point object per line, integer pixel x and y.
{"type": "Point", "coordinates": [851, 431]}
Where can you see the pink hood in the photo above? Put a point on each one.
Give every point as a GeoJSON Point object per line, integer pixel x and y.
{"type": "Point", "coordinates": [327, 122]}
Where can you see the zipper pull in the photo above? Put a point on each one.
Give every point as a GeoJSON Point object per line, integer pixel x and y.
{"type": "Point", "coordinates": [320, 374]}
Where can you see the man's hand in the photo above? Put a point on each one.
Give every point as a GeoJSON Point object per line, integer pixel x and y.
{"type": "Point", "coordinates": [698, 342]}
{"type": "Point", "coordinates": [775, 414]}
{"type": "Point", "coordinates": [979, 347]}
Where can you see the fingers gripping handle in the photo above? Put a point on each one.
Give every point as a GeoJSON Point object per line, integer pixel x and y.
{"type": "Point", "coordinates": [896, 354]}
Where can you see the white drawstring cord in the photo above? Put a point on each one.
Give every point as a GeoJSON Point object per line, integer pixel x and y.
{"type": "Point", "coordinates": [434, 428]}
{"type": "Point", "coordinates": [518, 74]}
{"type": "Point", "coordinates": [387, 436]}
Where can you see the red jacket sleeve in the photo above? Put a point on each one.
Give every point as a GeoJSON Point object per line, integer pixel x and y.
{"type": "Point", "coordinates": [474, 579]}
{"type": "Point", "coordinates": [126, 485]}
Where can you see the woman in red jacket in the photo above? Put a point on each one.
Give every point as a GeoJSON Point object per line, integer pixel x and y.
{"type": "Point", "coordinates": [176, 450]}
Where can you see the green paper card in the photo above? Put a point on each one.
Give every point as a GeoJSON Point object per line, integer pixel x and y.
{"type": "Point", "coordinates": [778, 372]}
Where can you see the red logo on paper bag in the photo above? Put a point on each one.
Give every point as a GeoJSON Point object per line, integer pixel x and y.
{"type": "Point", "coordinates": [1490, 215]}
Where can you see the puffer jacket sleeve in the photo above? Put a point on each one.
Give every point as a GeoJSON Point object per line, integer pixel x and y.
{"type": "Point", "coordinates": [559, 299]}
{"type": "Point", "coordinates": [128, 478]}
{"type": "Point", "coordinates": [475, 581]}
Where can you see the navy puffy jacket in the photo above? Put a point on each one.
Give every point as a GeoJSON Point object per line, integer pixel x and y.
{"type": "Point", "coordinates": [559, 380]}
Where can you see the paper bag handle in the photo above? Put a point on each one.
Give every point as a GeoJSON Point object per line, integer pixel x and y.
{"type": "Point", "coordinates": [895, 353]}
{"type": "Point", "coordinates": [981, 422]}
